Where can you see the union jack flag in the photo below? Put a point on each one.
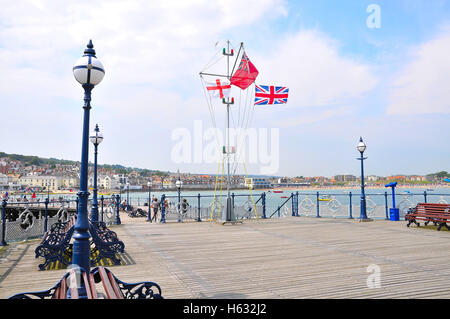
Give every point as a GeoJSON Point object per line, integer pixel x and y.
{"type": "Point", "coordinates": [269, 94]}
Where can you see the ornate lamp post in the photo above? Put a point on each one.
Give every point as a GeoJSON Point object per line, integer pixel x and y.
{"type": "Point", "coordinates": [128, 195]}
{"type": "Point", "coordinates": [96, 138]}
{"type": "Point", "coordinates": [88, 71]}
{"type": "Point", "coordinates": [361, 148]}
{"type": "Point", "coordinates": [178, 184]}
{"type": "Point", "coordinates": [120, 191]}
{"type": "Point", "coordinates": [149, 215]}
{"type": "Point", "coordinates": [118, 222]}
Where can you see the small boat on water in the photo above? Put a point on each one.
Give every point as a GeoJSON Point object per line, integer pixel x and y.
{"type": "Point", "coordinates": [278, 191]}
{"type": "Point", "coordinates": [284, 196]}
{"type": "Point", "coordinates": [430, 190]}
{"type": "Point", "coordinates": [325, 198]}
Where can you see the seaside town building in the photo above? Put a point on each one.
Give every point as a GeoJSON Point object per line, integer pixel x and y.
{"type": "Point", "coordinates": [256, 183]}
{"type": "Point", "coordinates": [344, 178]}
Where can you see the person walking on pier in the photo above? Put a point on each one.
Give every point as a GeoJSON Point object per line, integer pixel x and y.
{"type": "Point", "coordinates": [184, 207]}
{"type": "Point", "coordinates": [155, 205]}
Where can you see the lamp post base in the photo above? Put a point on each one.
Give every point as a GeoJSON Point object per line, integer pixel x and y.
{"type": "Point", "coordinates": [362, 220]}
{"type": "Point", "coordinates": [232, 222]}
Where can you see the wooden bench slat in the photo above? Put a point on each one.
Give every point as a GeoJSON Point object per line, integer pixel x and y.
{"type": "Point", "coordinates": [92, 285]}
{"type": "Point", "coordinates": [73, 285]}
{"type": "Point", "coordinates": [87, 286]}
{"type": "Point", "coordinates": [115, 286]}
{"type": "Point", "coordinates": [63, 290]}
{"type": "Point", "coordinates": [110, 293]}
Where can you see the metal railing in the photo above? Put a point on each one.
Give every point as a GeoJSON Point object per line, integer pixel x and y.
{"type": "Point", "coordinates": [347, 205]}
{"type": "Point", "coordinates": [22, 220]}
{"type": "Point", "coordinates": [202, 206]}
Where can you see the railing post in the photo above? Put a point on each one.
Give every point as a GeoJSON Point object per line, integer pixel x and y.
{"type": "Point", "coordinates": [425, 196]}
{"type": "Point", "coordinates": [118, 222]}
{"type": "Point", "coordinates": [386, 205]}
{"type": "Point", "coordinates": [199, 210]}
{"type": "Point", "coordinates": [293, 204]}
{"type": "Point", "coordinates": [279, 211]}
{"type": "Point", "coordinates": [101, 200]}
{"type": "Point", "coordinates": [163, 209]}
{"type": "Point", "coordinates": [263, 200]}
{"type": "Point", "coordinates": [232, 199]}
{"type": "Point", "coordinates": [3, 243]}
{"type": "Point", "coordinates": [318, 202]}
{"type": "Point", "coordinates": [296, 204]}
{"type": "Point", "coordinates": [46, 215]}
{"type": "Point", "coordinates": [350, 207]}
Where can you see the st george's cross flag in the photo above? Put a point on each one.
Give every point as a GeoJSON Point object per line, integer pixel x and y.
{"type": "Point", "coordinates": [269, 94]}
{"type": "Point", "coordinates": [246, 73]}
{"type": "Point", "coordinates": [219, 89]}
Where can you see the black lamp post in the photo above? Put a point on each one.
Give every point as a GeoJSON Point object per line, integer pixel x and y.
{"type": "Point", "coordinates": [88, 71]}
{"type": "Point", "coordinates": [178, 184]}
{"type": "Point", "coordinates": [149, 215]}
{"type": "Point", "coordinates": [128, 196]}
{"type": "Point", "coordinates": [120, 191]}
{"type": "Point", "coordinates": [96, 138]}
{"type": "Point", "coordinates": [361, 148]}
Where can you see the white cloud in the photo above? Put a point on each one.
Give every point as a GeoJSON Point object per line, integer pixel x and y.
{"type": "Point", "coordinates": [423, 84]}
{"type": "Point", "coordinates": [309, 63]}
{"type": "Point", "coordinates": [140, 42]}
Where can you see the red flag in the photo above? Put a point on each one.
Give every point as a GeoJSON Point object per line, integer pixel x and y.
{"type": "Point", "coordinates": [245, 75]}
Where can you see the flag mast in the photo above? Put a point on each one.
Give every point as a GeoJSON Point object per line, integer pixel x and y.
{"type": "Point", "coordinates": [229, 210]}
{"type": "Point", "coordinates": [229, 217]}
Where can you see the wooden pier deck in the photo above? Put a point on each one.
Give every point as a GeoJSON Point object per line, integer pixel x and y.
{"type": "Point", "coordinates": [282, 258]}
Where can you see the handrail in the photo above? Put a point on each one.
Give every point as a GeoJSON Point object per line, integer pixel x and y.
{"type": "Point", "coordinates": [279, 207]}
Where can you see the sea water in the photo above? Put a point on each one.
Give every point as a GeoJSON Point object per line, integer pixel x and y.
{"type": "Point", "coordinates": [337, 205]}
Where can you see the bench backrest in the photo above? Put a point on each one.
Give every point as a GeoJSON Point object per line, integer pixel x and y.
{"type": "Point", "coordinates": [61, 291]}
{"type": "Point", "coordinates": [432, 208]}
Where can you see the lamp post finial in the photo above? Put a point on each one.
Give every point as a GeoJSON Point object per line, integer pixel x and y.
{"type": "Point", "coordinates": [90, 49]}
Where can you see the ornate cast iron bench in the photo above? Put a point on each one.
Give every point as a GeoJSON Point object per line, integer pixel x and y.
{"type": "Point", "coordinates": [137, 213]}
{"type": "Point", "coordinates": [55, 243]}
{"type": "Point", "coordinates": [105, 242]}
{"type": "Point", "coordinates": [439, 214]}
{"type": "Point", "coordinates": [113, 287]}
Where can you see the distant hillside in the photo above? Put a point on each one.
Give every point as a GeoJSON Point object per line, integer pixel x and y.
{"type": "Point", "coordinates": [28, 160]}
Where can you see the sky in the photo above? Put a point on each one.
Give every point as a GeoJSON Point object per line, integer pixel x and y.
{"type": "Point", "coordinates": [379, 69]}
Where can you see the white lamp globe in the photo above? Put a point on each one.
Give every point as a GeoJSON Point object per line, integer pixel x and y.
{"type": "Point", "coordinates": [179, 183]}
{"type": "Point", "coordinates": [88, 69]}
{"type": "Point", "coordinates": [149, 183]}
{"type": "Point", "coordinates": [96, 137]}
{"type": "Point", "coordinates": [361, 146]}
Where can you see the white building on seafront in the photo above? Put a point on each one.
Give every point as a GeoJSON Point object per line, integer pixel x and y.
{"type": "Point", "coordinates": [257, 183]}
{"type": "Point", "coordinates": [106, 182]}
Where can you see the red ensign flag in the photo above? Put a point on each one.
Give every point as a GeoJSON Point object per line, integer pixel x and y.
{"type": "Point", "coordinates": [245, 75]}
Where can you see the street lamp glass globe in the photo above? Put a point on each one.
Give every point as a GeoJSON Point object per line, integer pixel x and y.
{"type": "Point", "coordinates": [88, 70]}
{"type": "Point", "coordinates": [179, 183]}
{"type": "Point", "coordinates": [361, 146]}
{"type": "Point", "coordinates": [149, 184]}
{"type": "Point", "coordinates": [96, 137]}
